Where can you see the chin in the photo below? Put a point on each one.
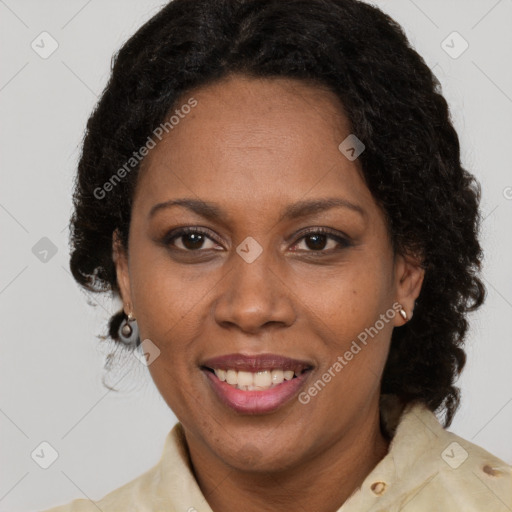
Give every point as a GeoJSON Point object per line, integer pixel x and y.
{"type": "Point", "coordinates": [265, 457]}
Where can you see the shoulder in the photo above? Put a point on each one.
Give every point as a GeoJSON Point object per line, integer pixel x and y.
{"type": "Point", "coordinates": [470, 476]}
{"type": "Point", "coordinates": [161, 487]}
{"type": "Point", "coordinates": [127, 498]}
{"type": "Point", "coordinates": [434, 467]}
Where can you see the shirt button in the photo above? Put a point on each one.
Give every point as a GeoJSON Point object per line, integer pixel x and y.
{"type": "Point", "coordinates": [378, 488]}
{"type": "Point", "coordinates": [491, 471]}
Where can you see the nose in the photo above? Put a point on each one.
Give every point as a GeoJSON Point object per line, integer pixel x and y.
{"type": "Point", "coordinates": [253, 296]}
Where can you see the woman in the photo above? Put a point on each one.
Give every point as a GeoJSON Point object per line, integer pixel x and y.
{"type": "Point", "coordinates": [274, 190]}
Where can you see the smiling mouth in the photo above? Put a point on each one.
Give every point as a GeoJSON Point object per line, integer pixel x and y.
{"type": "Point", "coordinates": [257, 380]}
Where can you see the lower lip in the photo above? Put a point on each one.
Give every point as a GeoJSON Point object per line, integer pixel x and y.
{"type": "Point", "coordinates": [257, 402]}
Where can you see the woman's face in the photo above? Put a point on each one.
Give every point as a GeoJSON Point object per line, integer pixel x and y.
{"type": "Point", "coordinates": [254, 282]}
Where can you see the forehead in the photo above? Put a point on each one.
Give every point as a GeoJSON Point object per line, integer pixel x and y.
{"type": "Point", "coordinates": [253, 142]}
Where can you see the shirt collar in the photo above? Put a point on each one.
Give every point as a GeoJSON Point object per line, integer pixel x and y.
{"type": "Point", "coordinates": [411, 425]}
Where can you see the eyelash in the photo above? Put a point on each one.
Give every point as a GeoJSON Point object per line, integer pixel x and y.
{"type": "Point", "coordinates": [342, 241]}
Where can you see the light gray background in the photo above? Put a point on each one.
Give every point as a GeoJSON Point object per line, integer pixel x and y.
{"type": "Point", "coordinates": [51, 362]}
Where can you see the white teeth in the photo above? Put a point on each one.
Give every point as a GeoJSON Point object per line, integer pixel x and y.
{"type": "Point", "coordinates": [231, 377]}
{"type": "Point", "coordinates": [254, 381]}
{"type": "Point", "coordinates": [221, 374]}
{"type": "Point", "coordinates": [245, 379]}
{"type": "Point", "coordinates": [277, 376]}
{"type": "Point", "coordinates": [263, 379]}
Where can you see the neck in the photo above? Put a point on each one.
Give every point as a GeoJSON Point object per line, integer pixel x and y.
{"type": "Point", "coordinates": [338, 471]}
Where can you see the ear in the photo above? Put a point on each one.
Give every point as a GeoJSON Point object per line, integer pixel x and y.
{"type": "Point", "coordinates": [409, 275]}
{"type": "Point", "coordinates": [120, 258]}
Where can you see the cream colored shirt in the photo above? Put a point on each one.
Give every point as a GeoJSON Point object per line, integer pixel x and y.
{"type": "Point", "coordinates": [426, 469]}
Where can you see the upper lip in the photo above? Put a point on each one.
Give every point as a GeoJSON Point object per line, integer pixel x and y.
{"type": "Point", "coordinates": [256, 362]}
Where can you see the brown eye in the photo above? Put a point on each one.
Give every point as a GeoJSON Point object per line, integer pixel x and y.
{"type": "Point", "coordinates": [191, 239]}
{"type": "Point", "coordinates": [318, 241]}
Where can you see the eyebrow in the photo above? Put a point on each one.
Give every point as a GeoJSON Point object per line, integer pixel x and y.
{"type": "Point", "coordinates": [304, 208]}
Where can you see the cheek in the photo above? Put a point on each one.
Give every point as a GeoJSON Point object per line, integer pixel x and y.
{"type": "Point", "coordinates": [168, 296]}
{"type": "Point", "coordinates": [170, 310]}
{"type": "Point", "coordinates": [346, 317]}
{"type": "Point", "coordinates": [348, 299]}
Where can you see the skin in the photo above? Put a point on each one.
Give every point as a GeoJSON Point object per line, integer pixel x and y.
{"type": "Point", "coordinates": [252, 147]}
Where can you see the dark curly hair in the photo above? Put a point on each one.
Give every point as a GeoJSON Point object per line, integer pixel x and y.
{"type": "Point", "coordinates": [394, 103]}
